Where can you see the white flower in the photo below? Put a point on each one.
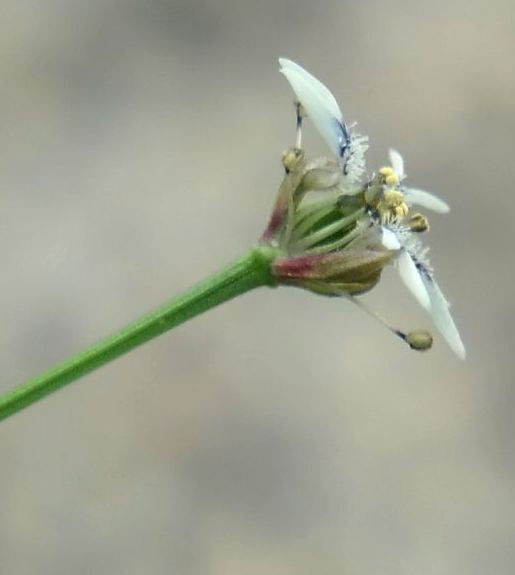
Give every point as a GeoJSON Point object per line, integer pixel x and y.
{"type": "Point", "coordinates": [385, 202]}
{"type": "Point", "coordinates": [413, 264]}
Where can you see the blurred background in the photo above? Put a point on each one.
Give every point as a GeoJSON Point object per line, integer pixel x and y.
{"type": "Point", "coordinates": [281, 433]}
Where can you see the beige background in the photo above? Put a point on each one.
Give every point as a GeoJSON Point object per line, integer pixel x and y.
{"type": "Point", "coordinates": [282, 433]}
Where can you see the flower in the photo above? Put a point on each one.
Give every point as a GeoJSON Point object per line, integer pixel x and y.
{"type": "Point", "coordinates": [412, 261]}
{"type": "Point", "coordinates": [335, 228]}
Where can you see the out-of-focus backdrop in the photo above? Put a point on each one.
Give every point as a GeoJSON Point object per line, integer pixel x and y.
{"type": "Point", "coordinates": [281, 433]}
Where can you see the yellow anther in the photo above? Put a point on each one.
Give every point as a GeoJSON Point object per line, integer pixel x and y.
{"type": "Point", "coordinates": [392, 206]}
{"type": "Point", "coordinates": [393, 198]}
{"type": "Point", "coordinates": [401, 211]}
{"type": "Point", "coordinates": [392, 180]}
{"type": "Point", "coordinates": [291, 158]}
{"type": "Point", "coordinates": [386, 171]}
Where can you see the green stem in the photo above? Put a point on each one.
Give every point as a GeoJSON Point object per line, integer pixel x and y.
{"type": "Point", "coordinates": [250, 271]}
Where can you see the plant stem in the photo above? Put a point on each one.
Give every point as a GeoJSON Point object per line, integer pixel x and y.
{"type": "Point", "coordinates": [250, 271]}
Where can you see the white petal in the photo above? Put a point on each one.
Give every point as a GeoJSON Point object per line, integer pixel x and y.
{"type": "Point", "coordinates": [397, 164]}
{"type": "Point", "coordinates": [319, 104]}
{"type": "Point", "coordinates": [442, 317]}
{"type": "Point", "coordinates": [389, 240]}
{"type": "Point", "coordinates": [413, 279]}
{"type": "Point", "coordinates": [426, 200]}
{"type": "Point", "coordinates": [310, 82]}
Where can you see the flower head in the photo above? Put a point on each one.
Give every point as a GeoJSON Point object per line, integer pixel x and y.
{"type": "Point", "coordinates": [335, 228]}
{"type": "Point", "coordinates": [392, 210]}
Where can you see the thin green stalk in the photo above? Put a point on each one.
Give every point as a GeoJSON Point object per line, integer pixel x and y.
{"type": "Point", "coordinates": [335, 245]}
{"type": "Point", "coordinates": [327, 231]}
{"type": "Point", "coordinates": [310, 220]}
{"type": "Point", "coordinates": [250, 271]}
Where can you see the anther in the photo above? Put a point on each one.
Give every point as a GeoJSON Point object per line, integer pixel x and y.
{"type": "Point", "coordinates": [419, 223]}
{"type": "Point", "coordinates": [290, 158]}
{"type": "Point", "coordinates": [391, 180]}
{"type": "Point", "coordinates": [386, 171]}
{"type": "Point", "coordinates": [419, 340]}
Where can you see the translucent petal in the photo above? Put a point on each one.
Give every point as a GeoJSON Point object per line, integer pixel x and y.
{"type": "Point", "coordinates": [397, 164]}
{"type": "Point", "coordinates": [413, 279]}
{"type": "Point", "coordinates": [319, 104]}
{"type": "Point", "coordinates": [426, 200]}
{"type": "Point", "coordinates": [389, 240]}
{"type": "Point", "coordinates": [442, 317]}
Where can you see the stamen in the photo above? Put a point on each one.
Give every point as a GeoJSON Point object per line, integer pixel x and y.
{"type": "Point", "coordinates": [419, 340]}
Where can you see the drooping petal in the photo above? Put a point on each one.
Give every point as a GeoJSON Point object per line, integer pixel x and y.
{"type": "Point", "coordinates": [319, 104]}
{"type": "Point", "coordinates": [412, 279]}
{"type": "Point", "coordinates": [397, 164]}
{"type": "Point", "coordinates": [442, 317]}
{"type": "Point", "coordinates": [425, 200]}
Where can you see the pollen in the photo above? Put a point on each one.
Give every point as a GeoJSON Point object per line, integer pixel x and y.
{"type": "Point", "coordinates": [386, 171]}
{"type": "Point", "coordinates": [291, 158]}
{"type": "Point", "coordinates": [402, 211]}
{"type": "Point", "coordinates": [393, 198]}
{"type": "Point", "coordinates": [392, 206]}
{"type": "Point", "coordinates": [392, 180]}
